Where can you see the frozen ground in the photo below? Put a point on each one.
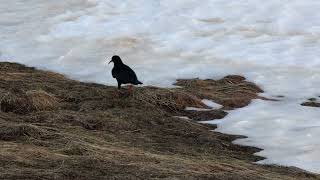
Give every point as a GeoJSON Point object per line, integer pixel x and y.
{"type": "Point", "coordinates": [274, 43]}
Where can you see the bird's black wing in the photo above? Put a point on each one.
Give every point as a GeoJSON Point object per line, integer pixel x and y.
{"type": "Point", "coordinates": [124, 75]}
{"type": "Point", "coordinates": [128, 74]}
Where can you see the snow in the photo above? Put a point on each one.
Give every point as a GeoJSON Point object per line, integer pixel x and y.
{"type": "Point", "coordinates": [196, 109]}
{"type": "Point", "coordinates": [182, 117]}
{"type": "Point", "coordinates": [211, 104]}
{"type": "Point", "coordinates": [288, 137]}
{"type": "Point", "coordinates": [274, 43]}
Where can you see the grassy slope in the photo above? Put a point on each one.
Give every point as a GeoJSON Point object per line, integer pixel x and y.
{"type": "Point", "coordinates": [55, 128]}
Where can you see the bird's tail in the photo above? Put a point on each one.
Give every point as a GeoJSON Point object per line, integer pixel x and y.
{"type": "Point", "coordinates": [138, 82]}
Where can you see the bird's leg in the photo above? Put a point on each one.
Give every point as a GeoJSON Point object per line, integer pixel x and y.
{"type": "Point", "coordinates": [130, 89]}
{"type": "Point", "coordinates": [117, 93]}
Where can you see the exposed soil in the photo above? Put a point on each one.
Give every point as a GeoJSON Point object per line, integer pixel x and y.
{"type": "Point", "coordinates": [312, 102]}
{"type": "Point", "coordinates": [52, 127]}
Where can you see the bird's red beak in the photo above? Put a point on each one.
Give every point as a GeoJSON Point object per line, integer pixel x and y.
{"type": "Point", "coordinates": [110, 62]}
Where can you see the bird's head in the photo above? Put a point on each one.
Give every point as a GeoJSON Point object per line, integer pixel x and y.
{"type": "Point", "coordinates": [116, 60]}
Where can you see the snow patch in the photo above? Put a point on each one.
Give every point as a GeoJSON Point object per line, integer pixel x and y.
{"type": "Point", "coordinates": [211, 104]}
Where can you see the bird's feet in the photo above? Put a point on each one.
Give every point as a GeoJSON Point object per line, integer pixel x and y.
{"type": "Point", "coordinates": [120, 94]}
{"type": "Point", "coordinates": [130, 90]}
{"type": "Point", "coordinates": [117, 94]}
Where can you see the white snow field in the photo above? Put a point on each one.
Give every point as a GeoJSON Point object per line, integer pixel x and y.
{"type": "Point", "coordinates": [274, 43]}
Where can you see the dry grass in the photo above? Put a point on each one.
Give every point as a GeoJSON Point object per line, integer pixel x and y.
{"type": "Point", "coordinates": [231, 91]}
{"type": "Point", "coordinates": [11, 132]}
{"type": "Point", "coordinates": [10, 102]}
{"type": "Point", "coordinates": [41, 100]}
{"type": "Point", "coordinates": [26, 102]}
{"type": "Point", "coordinates": [171, 99]}
{"type": "Point", "coordinates": [74, 130]}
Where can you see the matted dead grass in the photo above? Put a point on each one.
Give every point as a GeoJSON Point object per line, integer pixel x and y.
{"type": "Point", "coordinates": [231, 91]}
{"type": "Point", "coordinates": [10, 102]}
{"type": "Point", "coordinates": [52, 127]}
{"type": "Point", "coordinates": [26, 102]}
{"type": "Point", "coordinates": [11, 132]}
{"type": "Point", "coordinates": [41, 100]}
{"type": "Point", "coordinates": [171, 99]}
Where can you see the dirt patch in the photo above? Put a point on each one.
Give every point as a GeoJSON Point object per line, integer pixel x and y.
{"type": "Point", "coordinates": [311, 104]}
{"type": "Point", "coordinates": [205, 115]}
{"type": "Point", "coordinates": [170, 99]}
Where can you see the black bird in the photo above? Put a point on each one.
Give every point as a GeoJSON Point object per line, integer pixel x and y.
{"type": "Point", "coordinates": [123, 73]}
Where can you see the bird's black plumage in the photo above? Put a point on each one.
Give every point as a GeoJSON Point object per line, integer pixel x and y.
{"type": "Point", "coordinates": [123, 73]}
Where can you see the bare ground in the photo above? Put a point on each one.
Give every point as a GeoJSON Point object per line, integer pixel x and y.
{"type": "Point", "coordinates": [52, 127]}
{"type": "Point", "coordinates": [311, 102]}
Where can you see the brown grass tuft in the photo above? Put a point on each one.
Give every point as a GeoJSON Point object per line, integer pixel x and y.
{"type": "Point", "coordinates": [53, 75]}
{"type": "Point", "coordinates": [42, 101]}
{"type": "Point", "coordinates": [10, 102]}
{"type": "Point", "coordinates": [23, 103]}
{"type": "Point", "coordinates": [170, 99]}
{"type": "Point", "coordinates": [13, 132]}
{"type": "Point", "coordinates": [232, 91]}
{"type": "Point", "coordinates": [75, 149]}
